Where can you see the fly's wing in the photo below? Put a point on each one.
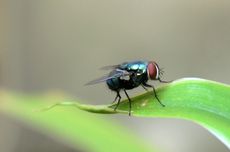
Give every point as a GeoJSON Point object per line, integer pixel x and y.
{"type": "Point", "coordinates": [117, 73]}
{"type": "Point", "coordinates": [109, 67]}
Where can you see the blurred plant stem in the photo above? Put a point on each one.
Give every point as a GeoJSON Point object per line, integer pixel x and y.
{"type": "Point", "coordinates": [82, 130]}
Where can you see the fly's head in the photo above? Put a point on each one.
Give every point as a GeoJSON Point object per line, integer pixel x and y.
{"type": "Point", "coordinates": [153, 70]}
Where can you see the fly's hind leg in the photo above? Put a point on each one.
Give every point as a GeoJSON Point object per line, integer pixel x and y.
{"type": "Point", "coordinates": [115, 98]}
{"type": "Point", "coordinates": [154, 91]}
{"type": "Point", "coordinates": [119, 99]}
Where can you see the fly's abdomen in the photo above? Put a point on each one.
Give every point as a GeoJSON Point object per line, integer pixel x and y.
{"type": "Point", "coordinates": [114, 84]}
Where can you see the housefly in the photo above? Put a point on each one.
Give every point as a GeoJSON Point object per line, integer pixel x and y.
{"type": "Point", "coordinates": [129, 75]}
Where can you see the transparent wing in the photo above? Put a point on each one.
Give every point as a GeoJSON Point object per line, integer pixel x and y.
{"type": "Point", "coordinates": [117, 73]}
{"type": "Point", "coordinates": [109, 67]}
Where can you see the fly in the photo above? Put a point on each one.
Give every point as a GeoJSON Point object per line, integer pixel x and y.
{"type": "Point", "coordinates": [130, 75]}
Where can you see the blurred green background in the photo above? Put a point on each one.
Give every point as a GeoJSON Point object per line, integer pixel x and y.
{"type": "Point", "coordinates": [60, 45]}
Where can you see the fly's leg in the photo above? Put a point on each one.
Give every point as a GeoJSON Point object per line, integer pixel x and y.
{"type": "Point", "coordinates": [115, 98]}
{"type": "Point", "coordinates": [144, 87]}
{"type": "Point", "coordinates": [154, 91]}
{"type": "Point", "coordinates": [129, 102]}
{"type": "Point", "coordinates": [119, 99]}
{"type": "Point", "coordinates": [162, 81]}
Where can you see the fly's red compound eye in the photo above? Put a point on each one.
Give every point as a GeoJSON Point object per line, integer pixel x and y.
{"type": "Point", "coordinates": [153, 70]}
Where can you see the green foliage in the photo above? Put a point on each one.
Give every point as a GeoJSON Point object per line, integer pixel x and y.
{"type": "Point", "coordinates": [204, 102]}
{"type": "Point", "coordinates": [82, 130]}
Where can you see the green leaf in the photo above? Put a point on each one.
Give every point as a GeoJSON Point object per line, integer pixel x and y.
{"type": "Point", "coordinates": [82, 130]}
{"type": "Point", "coordinates": [202, 101]}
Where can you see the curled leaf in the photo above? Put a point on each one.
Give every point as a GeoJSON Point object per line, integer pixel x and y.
{"type": "Point", "coordinates": [204, 102]}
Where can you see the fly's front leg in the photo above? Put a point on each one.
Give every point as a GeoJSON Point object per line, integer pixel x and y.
{"type": "Point", "coordinates": [162, 81]}
{"type": "Point", "coordinates": [144, 87]}
{"type": "Point", "coordinates": [154, 91]}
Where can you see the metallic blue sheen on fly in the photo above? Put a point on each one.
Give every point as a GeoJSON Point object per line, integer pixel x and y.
{"type": "Point", "coordinates": [130, 75]}
{"type": "Point", "coordinates": [137, 74]}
